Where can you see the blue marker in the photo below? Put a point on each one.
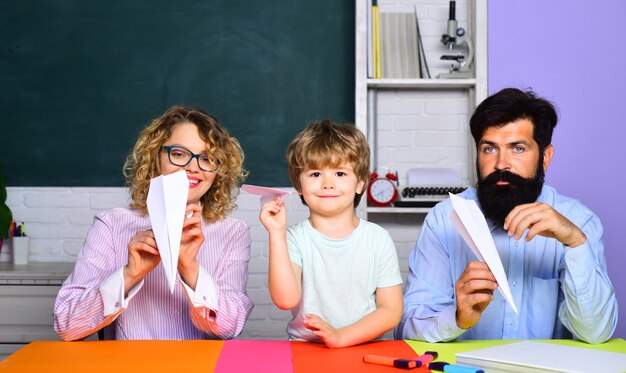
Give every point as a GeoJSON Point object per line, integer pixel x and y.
{"type": "Point", "coordinates": [451, 368]}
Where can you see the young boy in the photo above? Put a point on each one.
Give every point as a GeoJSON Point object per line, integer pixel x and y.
{"type": "Point", "coordinates": [337, 273]}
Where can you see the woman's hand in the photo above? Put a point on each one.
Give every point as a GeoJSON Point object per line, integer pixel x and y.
{"type": "Point", "coordinates": [190, 243]}
{"type": "Point", "coordinates": [143, 256]}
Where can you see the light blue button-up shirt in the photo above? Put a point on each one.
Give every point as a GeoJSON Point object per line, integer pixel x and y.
{"type": "Point", "coordinates": [558, 290]}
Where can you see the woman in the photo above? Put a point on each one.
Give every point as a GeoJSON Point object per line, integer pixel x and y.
{"type": "Point", "coordinates": [118, 282]}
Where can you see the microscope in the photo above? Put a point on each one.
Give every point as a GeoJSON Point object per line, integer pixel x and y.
{"type": "Point", "coordinates": [457, 37]}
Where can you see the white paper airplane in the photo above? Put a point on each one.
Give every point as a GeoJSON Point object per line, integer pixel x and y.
{"type": "Point", "coordinates": [471, 224]}
{"type": "Point", "coordinates": [167, 201]}
{"type": "Point", "coordinates": [267, 194]}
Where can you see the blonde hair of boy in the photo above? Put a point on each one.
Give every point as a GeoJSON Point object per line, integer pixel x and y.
{"type": "Point", "coordinates": [328, 144]}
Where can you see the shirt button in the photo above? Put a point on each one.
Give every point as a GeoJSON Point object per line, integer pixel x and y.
{"type": "Point", "coordinates": [511, 322]}
{"type": "Point", "coordinates": [514, 283]}
{"type": "Point", "coordinates": [117, 304]}
{"type": "Point", "coordinates": [516, 243]}
{"type": "Point", "coordinates": [203, 297]}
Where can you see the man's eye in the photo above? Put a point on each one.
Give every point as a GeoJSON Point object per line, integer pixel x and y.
{"type": "Point", "coordinates": [518, 149]}
{"type": "Point", "coordinates": [489, 149]}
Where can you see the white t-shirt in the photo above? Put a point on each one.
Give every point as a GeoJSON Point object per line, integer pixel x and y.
{"type": "Point", "coordinates": [340, 276]}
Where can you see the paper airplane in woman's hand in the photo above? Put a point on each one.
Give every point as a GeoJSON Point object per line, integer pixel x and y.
{"type": "Point", "coordinates": [471, 224]}
{"type": "Point", "coordinates": [267, 194]}
{"type": "Point", "coordinates": [167, 201]}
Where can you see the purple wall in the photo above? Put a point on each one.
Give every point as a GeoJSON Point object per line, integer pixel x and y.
{"type": "Point", "coordinates": [573, 54]}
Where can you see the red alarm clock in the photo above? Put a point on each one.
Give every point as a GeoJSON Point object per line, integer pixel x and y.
{"type": "Point", "coordinates": [382, 191]}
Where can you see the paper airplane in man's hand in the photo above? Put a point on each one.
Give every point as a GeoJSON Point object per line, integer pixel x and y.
{"type": "Point", "coordinates": [267, 194]}
{"type": "Point", "coordinates": [471, 224]}
{"type": "Point", "coordinates": [167, 201]}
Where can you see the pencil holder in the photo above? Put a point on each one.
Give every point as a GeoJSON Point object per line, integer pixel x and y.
{"type": "Point", "coordinates": [20, 250]}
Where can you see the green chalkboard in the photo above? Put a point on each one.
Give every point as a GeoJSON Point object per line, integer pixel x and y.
{"type": "Point", "coordinates": [80, 78]}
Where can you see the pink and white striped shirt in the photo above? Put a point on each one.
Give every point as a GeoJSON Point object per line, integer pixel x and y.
{"type": "Point", "coordinates": [93, 295]}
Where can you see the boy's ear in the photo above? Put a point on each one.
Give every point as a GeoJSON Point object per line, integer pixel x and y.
{"type": "Point", "coordinates": [359, 187]}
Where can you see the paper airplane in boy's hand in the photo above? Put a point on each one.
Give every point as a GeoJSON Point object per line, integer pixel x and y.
{"type": "Point", "coordinates": [267, 194]}
{"type": "Point", "coordinates": [471, 224]}
{"type": "Point", "coordinates": [167, 201]}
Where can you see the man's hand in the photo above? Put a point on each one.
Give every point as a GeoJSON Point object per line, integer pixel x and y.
{"type": "Point", "coordinates": [541, 219]}
{"type": "Point", "coordinates": [474, 292]}
{"type": "Point", "coordinates": [323, 330]}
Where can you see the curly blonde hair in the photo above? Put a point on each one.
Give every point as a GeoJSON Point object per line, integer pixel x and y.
{"type": "Point", "coordinates": [142, 164]}
{"type": "Point", "coordinates": [326, 143]}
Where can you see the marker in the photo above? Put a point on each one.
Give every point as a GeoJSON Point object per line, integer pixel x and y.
{"type": "Point", "coordinates": [451, 368]}
{"type": "Point", "coordinates": [426, 358]}
{"type": "Point", "coordinates": [390, 361]}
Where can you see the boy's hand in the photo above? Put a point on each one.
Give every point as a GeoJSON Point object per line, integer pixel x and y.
{"type": "Point", "coordinates": [273, 216]}
{"type": "Point", "coordinates": [323, 330]}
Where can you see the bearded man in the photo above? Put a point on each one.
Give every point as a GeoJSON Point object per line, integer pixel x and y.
{"type": "Point", "coordinates": [550, 245]}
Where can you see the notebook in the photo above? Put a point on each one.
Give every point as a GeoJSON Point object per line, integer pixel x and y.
{"type": "Point", "coordinates": [534, 357]}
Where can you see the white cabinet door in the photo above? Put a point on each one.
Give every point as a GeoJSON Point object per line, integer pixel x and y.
{"type": "Point", "coordinates": [26, 313]}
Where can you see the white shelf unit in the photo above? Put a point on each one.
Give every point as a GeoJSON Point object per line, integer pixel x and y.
{"type": "Point", "coordinates": [465, 94]}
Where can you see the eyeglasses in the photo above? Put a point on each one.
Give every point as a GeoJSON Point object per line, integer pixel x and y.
{"type": "Point", "coordinates": [180, 156]}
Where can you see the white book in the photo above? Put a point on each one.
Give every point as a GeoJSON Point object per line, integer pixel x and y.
{"type": "Point", "coordinates": [535, 357]}
{"type": "Point", "coordinates": [399, 45]}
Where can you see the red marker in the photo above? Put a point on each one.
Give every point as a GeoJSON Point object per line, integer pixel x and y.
{"type": "Point", "coordinates": [390, 361]}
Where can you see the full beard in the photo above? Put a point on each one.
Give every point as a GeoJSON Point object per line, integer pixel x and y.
{"type": "Point", "coordinates": [497, 201]}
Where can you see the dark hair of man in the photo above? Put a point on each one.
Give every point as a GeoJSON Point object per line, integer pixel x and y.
{"type": "Point", "coordinates": [510, 105]}
{"type": "Point", "coordinates": [498, 110]}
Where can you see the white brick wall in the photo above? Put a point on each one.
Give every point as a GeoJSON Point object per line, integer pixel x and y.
{"type": "Point", "coordinates": [423, 128]}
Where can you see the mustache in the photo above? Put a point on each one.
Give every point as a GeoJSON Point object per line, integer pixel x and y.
{"type": "Point", "coordinates": [507, 176]}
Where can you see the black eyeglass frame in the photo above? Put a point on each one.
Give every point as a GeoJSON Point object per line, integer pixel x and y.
{"type": "Point", "coordinates": [168, 149]}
